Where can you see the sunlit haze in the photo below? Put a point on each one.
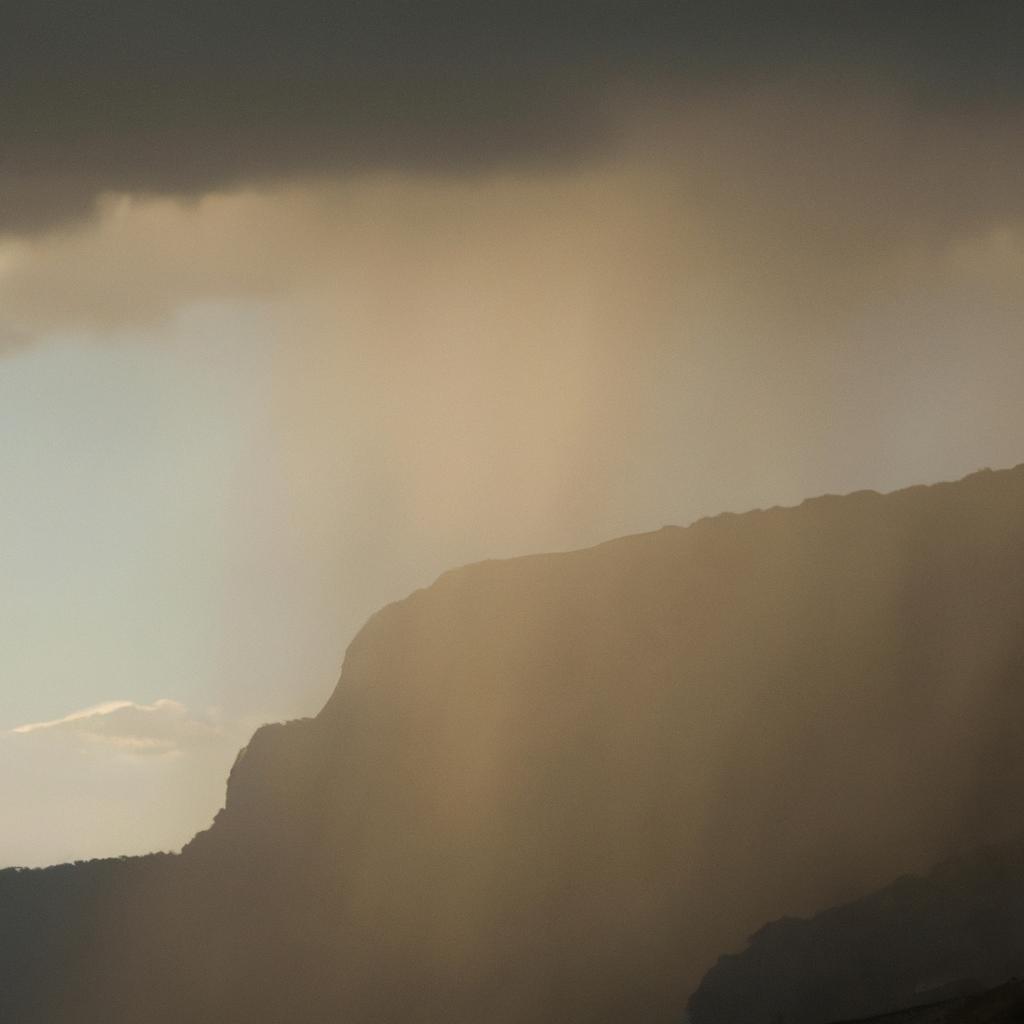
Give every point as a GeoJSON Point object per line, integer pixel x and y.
{"type": "Point", "coordinates": [237, 415]}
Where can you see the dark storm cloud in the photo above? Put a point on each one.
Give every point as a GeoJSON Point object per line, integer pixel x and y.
{"type": "Point", "coordinates": [182, 97]}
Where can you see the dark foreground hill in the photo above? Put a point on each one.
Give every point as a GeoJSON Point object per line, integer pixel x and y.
{"type": "Point", "coordinates": [919, 940]}
{"type": "Point", "coordinates": [1001, 1005]}
{"type": "Point", "coordinates": [554, 789]}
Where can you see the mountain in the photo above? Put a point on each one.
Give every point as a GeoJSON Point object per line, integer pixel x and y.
{"type": "Point", "coordinates": [921, 939]}
{"type": "Point", "coordinates": [554, 789]}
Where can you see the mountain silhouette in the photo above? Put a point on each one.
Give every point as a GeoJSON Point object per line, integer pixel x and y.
{"type": "Point", "coordinates": [556, 788]}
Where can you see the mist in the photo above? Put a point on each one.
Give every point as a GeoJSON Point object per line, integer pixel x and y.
{"type": "Point", "coordinates": [763, 292]}
{"type": "Point", "coordinates": [303, 309]}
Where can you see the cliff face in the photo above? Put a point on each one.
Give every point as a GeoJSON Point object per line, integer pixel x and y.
{"type": "Point", "coordinates": [555, 788]}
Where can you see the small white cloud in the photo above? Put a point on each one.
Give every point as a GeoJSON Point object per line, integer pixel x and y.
{"type": "Point", "coordinates": [164, 727]}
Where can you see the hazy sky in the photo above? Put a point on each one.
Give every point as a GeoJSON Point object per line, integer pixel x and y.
{"type": "Point", "coordinates": [301, 305]}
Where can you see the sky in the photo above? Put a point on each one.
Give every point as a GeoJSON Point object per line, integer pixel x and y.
{"type": "Point", "coordinates": [301, 305]}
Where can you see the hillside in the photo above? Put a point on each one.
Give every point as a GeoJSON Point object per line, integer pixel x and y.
{"type": "Point", "coordinates": [1001, 1005]}
{"type": "Point", "coordinates": [556, 788]}
{"type": "Point", "coordinates": [919, 940]}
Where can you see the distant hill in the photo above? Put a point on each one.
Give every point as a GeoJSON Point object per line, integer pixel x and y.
{"type": "Point", "coordinates": [554, 789]}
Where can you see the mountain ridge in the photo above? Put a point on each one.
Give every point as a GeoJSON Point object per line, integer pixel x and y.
{"type": "Point", "coordinates": [556, 788]}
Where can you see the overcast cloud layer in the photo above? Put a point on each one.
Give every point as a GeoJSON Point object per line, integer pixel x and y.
{"type": "Point", "coordinates": [184, 97]}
